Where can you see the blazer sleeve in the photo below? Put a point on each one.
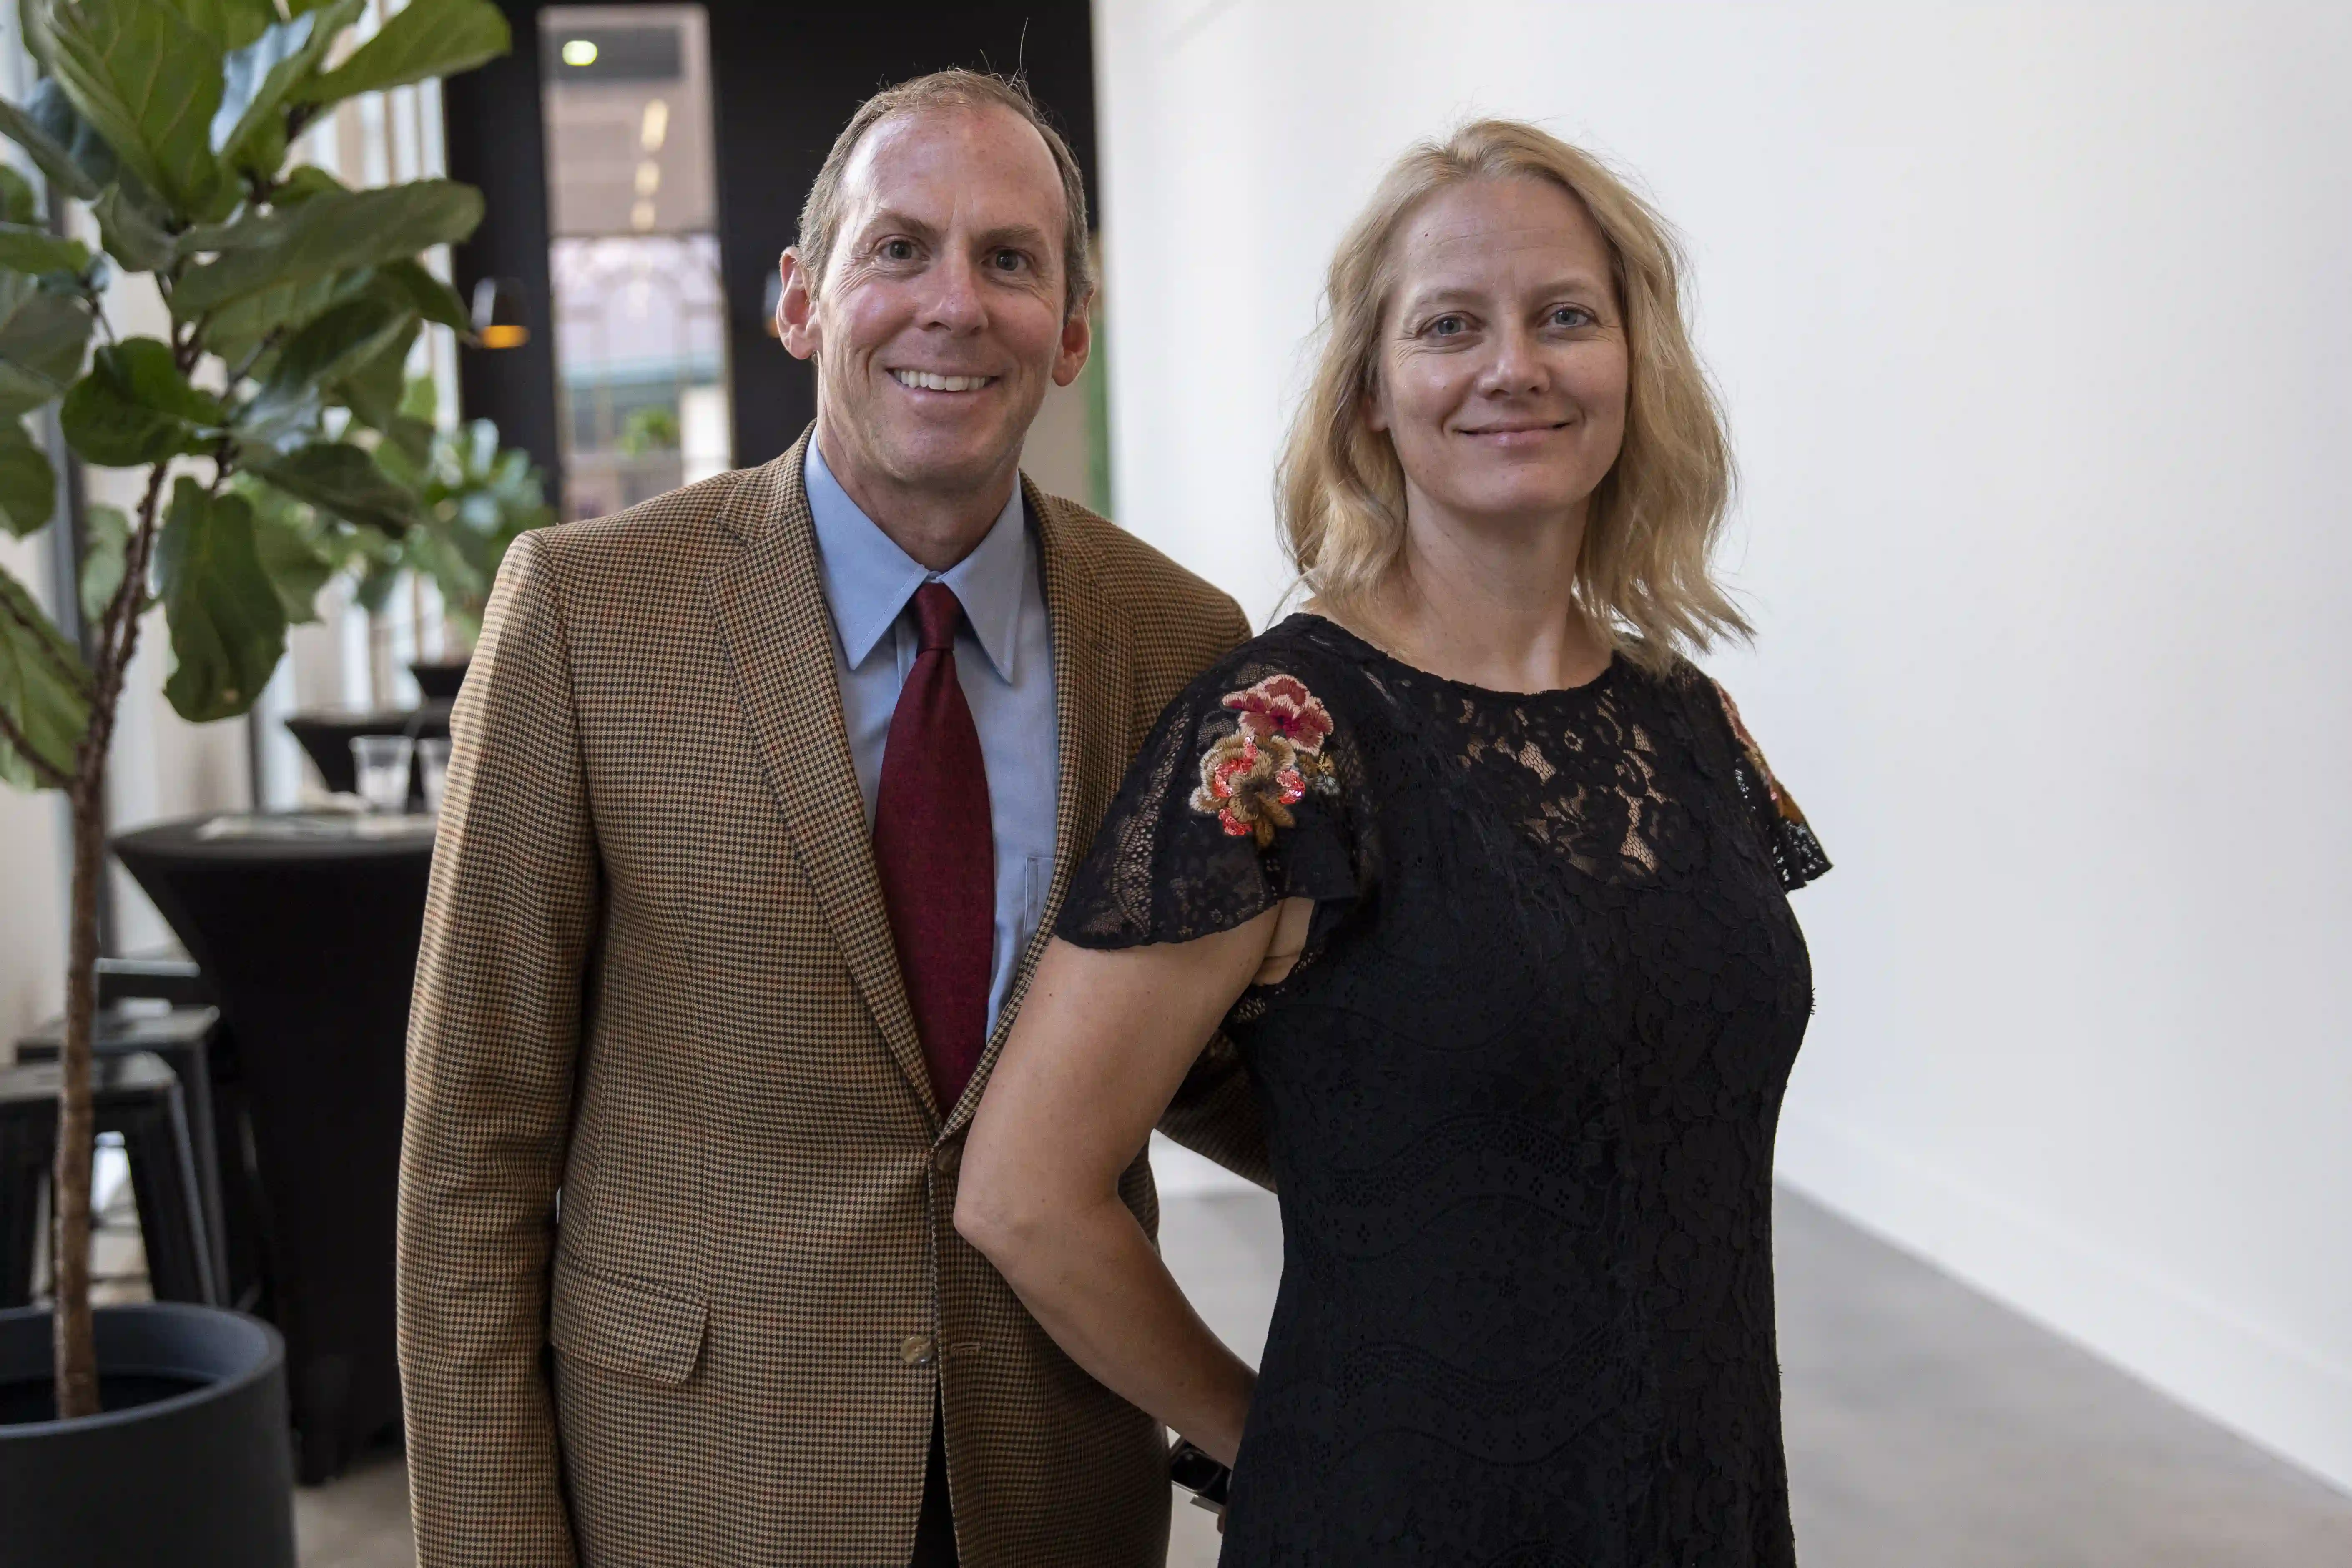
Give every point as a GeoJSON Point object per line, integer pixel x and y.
{"type": "Point", "coordinates": [493, 1040]}
{"type": "Point", "coordinates": [1215, 1111]}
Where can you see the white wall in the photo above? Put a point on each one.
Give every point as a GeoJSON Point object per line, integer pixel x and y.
{"type": "Point", "coordinates": [2033, 329]}
{"type": "Point", "coordinates": [32, 867]}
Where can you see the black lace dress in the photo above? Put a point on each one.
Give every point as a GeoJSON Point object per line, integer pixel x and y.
{"type": "Point", "coordinates": [1520, 1092]}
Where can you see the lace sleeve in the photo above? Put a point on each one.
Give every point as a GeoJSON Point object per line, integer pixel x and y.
{"type": "Point", "coordinates": [1796, 855]}
{"type": "Point", "coordinates": [1233, 804]}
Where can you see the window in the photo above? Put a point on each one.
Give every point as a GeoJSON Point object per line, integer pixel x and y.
{"type": "Point", "coordinates": [640, 330]}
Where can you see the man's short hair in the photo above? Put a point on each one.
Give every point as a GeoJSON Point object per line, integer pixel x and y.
{"type": "Point", "coordinates": [820, 213]}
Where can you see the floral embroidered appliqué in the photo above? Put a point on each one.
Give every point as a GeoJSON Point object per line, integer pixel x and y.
{"type": "Point", "coordinates": [1251, 778]}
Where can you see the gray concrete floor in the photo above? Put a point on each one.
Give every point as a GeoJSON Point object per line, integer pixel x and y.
{"type": "Point", "coordinates": [1926, 1428]}
{"type": "Point", "coordinates": [1929, 1427]}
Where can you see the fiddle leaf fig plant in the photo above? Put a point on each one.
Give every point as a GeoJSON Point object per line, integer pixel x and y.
{"type": "Point", "coordinates": [275, 381]}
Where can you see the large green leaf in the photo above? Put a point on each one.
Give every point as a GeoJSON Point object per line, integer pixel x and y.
{"type": "Point", "coordinates": [280, 424]}
{"type": "Point", "coordinates": [304, 181]}
{"type": "Point", "coordinates": [341, 339]}
{"type": "Point", "coordinates": [233, 24]}
{"type": "Point", "coordinates": [18, 201]}
{"type": "Point", "coordinates": [433, 299]}
{"type": "Point", "coordinates": [27, 249]}
{"type": "Point", "coordinates": [130, 226]}
{"type": "Point", "coordinates": [53, 111]}
{"type": "Point", "coordinates": [32, 20]}
{"type": "Point", "coordinates": [229, 628]}
{"type": "Point", "coordinates": [370, 388]}
{"type": "Point", "coordinates": [150, 82]}
{"type": "Point", "coordinates": [259, 76]}
{"type": "Point", "coordinates": [28, 485]}
{"type": "Point", "coordinates": [330, 233]}
{"type": "Point", "coordinates": [340, 480]}
{"type": "Point", "coordinates": [239, 328]}
{"type": "Point", "coordinates": [407, 444]}
{"type": "Point", "coordinates": [430, 38]}
{"type": "Point", "coordinates": [43, 689]}
{"type": "Point", "coordinates": [134, 407]}
{"type": "Point", "coordinates": [105, 549]}
{"type": "Point", "coordinates": [52, 157]}
{"type": "Point", "coordinates": [42, 334]}
{"type": "Point", "coordinates": [295, 568]}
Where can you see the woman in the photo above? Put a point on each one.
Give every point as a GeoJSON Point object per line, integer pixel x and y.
{"type": "Point", "coordinates": [1488, 885]}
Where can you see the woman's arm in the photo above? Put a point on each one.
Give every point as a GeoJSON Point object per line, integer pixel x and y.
{"type": "Point", "coordinates": [1100, 1047]}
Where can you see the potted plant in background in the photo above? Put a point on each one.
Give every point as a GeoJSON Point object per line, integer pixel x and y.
{"type": "Point", "coordinates": [474, 499]}
{"type": "Point", "coordinates": [292, 303]}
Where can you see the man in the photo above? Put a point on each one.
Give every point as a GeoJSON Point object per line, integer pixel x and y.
{"type": "Point", "coordinates": [764, 794]}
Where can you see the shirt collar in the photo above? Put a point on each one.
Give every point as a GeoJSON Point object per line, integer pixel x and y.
{"type": "Point", "coordinates": [869, 579]}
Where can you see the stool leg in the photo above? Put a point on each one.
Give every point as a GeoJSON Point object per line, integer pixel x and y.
{"type": "Point", "coordinates": [204, 1138]}
{"type": "Point", "coordinates": [171, 1209]}
{"type": "Point", "coordinates": [25, 1138]}
{"type": "Point", "coordinates": [191, 1063]}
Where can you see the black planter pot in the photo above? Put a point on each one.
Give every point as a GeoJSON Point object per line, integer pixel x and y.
{"type": "Point", "coordinates": [438, 682]}
{"type": "Point", "coordinates": [190, 1465]}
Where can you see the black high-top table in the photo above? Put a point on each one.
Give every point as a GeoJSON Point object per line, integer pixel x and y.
{"type": "Point", "coordinates": [307, 926]}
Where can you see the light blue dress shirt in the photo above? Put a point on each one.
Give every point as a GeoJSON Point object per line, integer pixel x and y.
{"type": "Point", "coordinates": [1004, 662]}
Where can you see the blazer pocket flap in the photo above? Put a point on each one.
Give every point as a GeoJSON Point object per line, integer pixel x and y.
{"type": "Point", "coordinates": [631, 1326]}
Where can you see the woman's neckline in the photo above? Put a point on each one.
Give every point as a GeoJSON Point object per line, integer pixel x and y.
{"type": "Point", "coordinates": [1608, 671]}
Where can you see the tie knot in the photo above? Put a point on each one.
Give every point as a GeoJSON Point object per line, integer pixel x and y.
{"type": "Point", "coordinates": [937, 612]}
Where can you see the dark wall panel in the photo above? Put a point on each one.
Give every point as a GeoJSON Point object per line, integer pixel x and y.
{"type": "Point", "coordinates": [785, 77]}
{"type": "Point", "coordinates": [495, 141]}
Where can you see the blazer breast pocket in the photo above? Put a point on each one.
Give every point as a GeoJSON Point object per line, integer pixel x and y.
{"type": "Point", "coordinates": [630, 1326]}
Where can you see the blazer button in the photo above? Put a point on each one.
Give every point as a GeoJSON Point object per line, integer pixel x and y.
{"type": "Point", "coordinates": [949, 1157]}
{"type": "Point", "coordinates": [915, 1349]}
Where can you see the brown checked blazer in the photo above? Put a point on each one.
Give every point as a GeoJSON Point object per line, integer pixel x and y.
{"type": "Point", "coordinates": [658, 979]}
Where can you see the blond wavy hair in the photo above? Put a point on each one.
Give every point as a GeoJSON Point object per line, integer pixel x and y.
{"type": "Point", "coordinates": [1642, 574]}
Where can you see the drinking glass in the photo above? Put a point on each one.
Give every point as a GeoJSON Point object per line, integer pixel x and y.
{"type": "Point", "coordinates": [382, 764]}
{"type": "Point", "coordinates": [433, 757]}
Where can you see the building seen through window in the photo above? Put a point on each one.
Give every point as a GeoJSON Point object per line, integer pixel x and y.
{"type": "Point", "coordinates": [640, 349]}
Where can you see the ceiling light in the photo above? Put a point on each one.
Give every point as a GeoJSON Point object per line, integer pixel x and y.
{"type": "Point", "coordinates": [579, 52]}
{"type": "Point", "coordinates": [655, 126]}
{"type": "Point", "coordinates": [641, 216]}
{"type": "Point", "coordinates": [648, 177]}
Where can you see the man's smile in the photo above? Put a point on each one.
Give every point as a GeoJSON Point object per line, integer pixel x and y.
{"type": "Point", "coordinates": [932, 380]}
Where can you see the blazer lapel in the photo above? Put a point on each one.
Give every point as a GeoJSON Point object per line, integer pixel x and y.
{"type": "Point", "coordinates": [1092, 693]}
{"type": "Point", "coordinates": [778, 630]}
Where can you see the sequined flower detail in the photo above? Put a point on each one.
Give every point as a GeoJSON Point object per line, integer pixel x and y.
{"type": "Point", "coordinates": [1280, 705]}
{"type": "Point", "coordinates": [1249, 779]}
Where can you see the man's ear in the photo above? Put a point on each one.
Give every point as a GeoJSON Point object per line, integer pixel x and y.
{"type": "Point", "coordinates": [796, 326]}
{"type": "Point", "coordinates": [1078, 342]}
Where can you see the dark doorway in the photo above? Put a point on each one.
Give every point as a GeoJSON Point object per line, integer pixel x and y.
{"type": "Point", "coordinates": [784, 78]}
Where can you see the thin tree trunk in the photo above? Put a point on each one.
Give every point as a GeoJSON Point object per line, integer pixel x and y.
{"type": "Point", "coordinates": [118, 640]}
{"type": "Point", "coordinates": [76, 1352]}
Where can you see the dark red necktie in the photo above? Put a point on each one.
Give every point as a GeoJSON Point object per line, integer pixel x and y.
{"type": "Point", "coordinates": [935, 850]}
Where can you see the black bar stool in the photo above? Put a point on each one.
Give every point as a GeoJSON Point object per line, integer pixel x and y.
{"type": "Point", "coordinates": [187, 1037]}
{"type": "Point", "coordinates": [138, 1096]}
